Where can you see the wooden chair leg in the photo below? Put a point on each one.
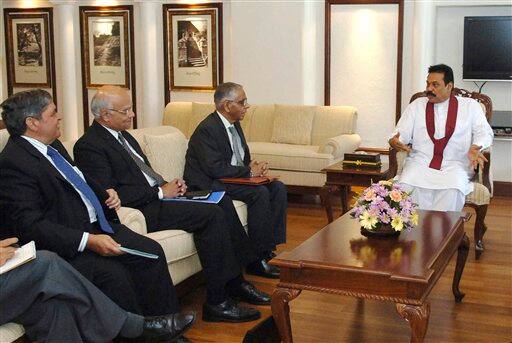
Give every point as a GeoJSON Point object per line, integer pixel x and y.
{"type": "Point", "coordinates": [479, 230]}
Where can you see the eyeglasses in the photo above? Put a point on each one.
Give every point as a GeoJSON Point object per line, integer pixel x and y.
{"type": "Point", "coordinates": [125, 112]}
{"type": "Point", "coordinates": [242, 102]}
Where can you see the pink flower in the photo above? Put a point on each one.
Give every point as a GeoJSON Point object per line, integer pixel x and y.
{"type": "Point", "coordinates": [395, 195]}
{"type": "Point", "coordinates": [369, 195]}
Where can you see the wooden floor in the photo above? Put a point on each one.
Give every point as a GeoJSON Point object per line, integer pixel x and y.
{"type": "Point", "coordinates": [485, 314]}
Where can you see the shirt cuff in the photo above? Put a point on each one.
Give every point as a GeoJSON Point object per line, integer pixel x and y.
{"type": "Point", "coordinates": [83, 242]}
{"type": "Point", "coordinates": [160, 193]}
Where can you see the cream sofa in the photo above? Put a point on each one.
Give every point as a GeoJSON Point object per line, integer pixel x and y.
{"type": "Point", "coordinates": [298, 141]}
{"type": "Point", "coordinates": [165, 147]}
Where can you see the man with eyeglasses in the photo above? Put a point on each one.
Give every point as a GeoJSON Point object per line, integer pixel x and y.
{"type": "Point", "coordinates": [45, 198]}
{"type": "Point", "coordinates": [111, 155]}
{"type": "Point", "coordinates": [217, 149]}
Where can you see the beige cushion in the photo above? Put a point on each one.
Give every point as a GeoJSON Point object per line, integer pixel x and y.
{"type": "Point", "coordinates": [331, 121]}
{"type": "Point", "coordinates": [241, 210]}
{"type": "Point", "coordinates": [199, 112]}
{"type": "Point", "coordinates": [479, 196]}
{"type": "Point", "coordinates": [180, 114]}
{"type": "Point", "coordinates": [304, 158]}
{"type": "Point", "coordinates": [261, 123]}
{"type": "Point", "coordinates": [166, 154]}
{"type": "Point", "coordinates": [4, 137]}
{"type": "Point", "coordinates": [292, 124]}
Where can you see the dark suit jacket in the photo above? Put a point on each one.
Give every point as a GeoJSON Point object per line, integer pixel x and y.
{"type": "Point", "coordinates": [102, 157]}
{"type": "Point", "coordinates": [39, 204]}
{"type": "Point", "coordinates": [209, 155]}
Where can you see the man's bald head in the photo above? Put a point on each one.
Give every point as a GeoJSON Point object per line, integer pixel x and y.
{"type": "Point", "coordinates": [112, 107]}
{"type": "Point", "coordinates": [104, 96]}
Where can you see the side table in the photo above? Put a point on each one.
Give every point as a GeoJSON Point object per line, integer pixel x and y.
{"type": "Point", "coordinates": [340, 177]}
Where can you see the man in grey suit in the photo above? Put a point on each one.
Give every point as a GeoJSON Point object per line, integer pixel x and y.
{"type": "Point", "coordinates": [55, 303]}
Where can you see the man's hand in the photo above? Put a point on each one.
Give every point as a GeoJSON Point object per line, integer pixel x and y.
{"type": "Point", "coordinates": [258, 168]}
{"type": "Point", "coordinates": [113, 201]}
{"type": "Point", "coordinates": [476, 158]}
{"type": "Point", "coordinates": [103, 245]}
{"type": "Point", "coordinates": [395, 143]}
{"type": "Point", "coordinates": [174, 188]}
{"type": "Point", "coordinates": [6, 251]}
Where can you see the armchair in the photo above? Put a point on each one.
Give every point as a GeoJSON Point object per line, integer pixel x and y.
{"type": "Point", "coordinates": [480, 198]}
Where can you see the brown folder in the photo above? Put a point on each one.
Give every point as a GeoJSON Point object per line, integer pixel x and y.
{"type": "Point", "coordinates": [256, 180]}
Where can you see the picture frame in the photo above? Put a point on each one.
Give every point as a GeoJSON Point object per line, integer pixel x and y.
{"type": "Point", "coordinates": [192, 47]}
{"type": "Point", "coordinates": [29, 46]}
{"type": "Point", "coordinates": [107, 43]}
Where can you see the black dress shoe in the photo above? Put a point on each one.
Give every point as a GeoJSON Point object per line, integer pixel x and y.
{"type": "Point", "coordinates": [262, 268]}
{"type": "Point", "coordinates": [229, 311]}
{"type": "Point", "coordinates": [181, 339]}
{"type": "Point", "coordinates": [246, 291]}
{"type": "Point", "coordinates": [167, 328]}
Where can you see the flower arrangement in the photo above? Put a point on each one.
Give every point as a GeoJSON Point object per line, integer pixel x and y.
{"type": "Point", "coordinates": [385, 204]}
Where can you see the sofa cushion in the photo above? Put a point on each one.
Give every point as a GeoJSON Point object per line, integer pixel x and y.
{"type": "Point", "coordinates": [166, 153]}
{"type": "Point", "coordinates": [290, 157]}
{"type": "Point", "coordinates": [332, 121]}
{"type": "Point", "coordinates": [258, 123]}
{"type": "Point", "coordinates": [292, 124]}
{"type": "Point", "coordinates": [177, 244]}
{"type": "Point", "coordinates": [199, 112]}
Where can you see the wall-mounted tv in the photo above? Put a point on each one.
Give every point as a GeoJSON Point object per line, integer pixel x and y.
{"type": "Point", "coordinates": [487, 48]}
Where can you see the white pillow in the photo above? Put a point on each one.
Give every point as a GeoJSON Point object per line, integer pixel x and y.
{"type": "Point", "coordinates": [166, 153]}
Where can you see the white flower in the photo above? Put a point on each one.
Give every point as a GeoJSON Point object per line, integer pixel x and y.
{"type": "Point", "coordinates": [367, 220]}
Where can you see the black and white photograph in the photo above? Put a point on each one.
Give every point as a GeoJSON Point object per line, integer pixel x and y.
{"type": "Point", "coordinates": [192, 47]}
{"type": "Point", "coordinates": [29, 49]}
{"type": "Point", "coordinates": [107, 43]}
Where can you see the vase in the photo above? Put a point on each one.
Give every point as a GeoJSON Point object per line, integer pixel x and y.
{"type": "Point", "coordinates": [382, 231]}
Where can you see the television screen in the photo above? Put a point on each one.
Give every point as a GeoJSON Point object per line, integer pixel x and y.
{"type": "Point", "coordinates": [487, 48]}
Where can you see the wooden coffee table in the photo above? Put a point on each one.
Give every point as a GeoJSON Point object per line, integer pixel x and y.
{"type": "Point", "coordinates": [403, 270]}
{"type": "Point", "coordinates": [340, 177]}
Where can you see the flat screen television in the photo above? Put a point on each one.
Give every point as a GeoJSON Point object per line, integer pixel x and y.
{"type": "Point", "coordinates": [487, 48]}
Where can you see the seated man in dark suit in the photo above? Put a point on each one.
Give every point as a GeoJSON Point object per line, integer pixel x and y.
{"type": "Point", "coordinates": [217, 149]}
{"type": "Point", "coordinates": [49, 201]}
{"type": "Point", "coordinates": [55, 303]}
{"type": "Point", "coordinates": [113, 157]}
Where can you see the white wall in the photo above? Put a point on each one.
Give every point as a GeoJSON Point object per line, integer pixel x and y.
{"type": "Point", "coordinates": [275, 49]}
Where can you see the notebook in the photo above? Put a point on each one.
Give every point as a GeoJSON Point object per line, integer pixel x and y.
{"type": "Point", "coordinates": [21, 256]}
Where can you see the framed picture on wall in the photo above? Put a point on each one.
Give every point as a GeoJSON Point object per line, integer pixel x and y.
{"type": "Point", "coordinates": [106, 37]}
{"type": "Point", "coordinates": [29, 49]}
{"type": "Point", "coordinates": [192, 47]}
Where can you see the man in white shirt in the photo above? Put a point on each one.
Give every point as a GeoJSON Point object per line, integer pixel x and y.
{"type": "Point", "coordinates": [443, 136]}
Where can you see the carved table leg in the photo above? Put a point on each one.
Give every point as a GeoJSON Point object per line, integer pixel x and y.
{"type": "Point", "coordinates": [462, 255]}
{"type": "Point", "coordinates": [417, 316]}
{"type": "Point", "coordinates": [325, 195]}
{"type": "Point", "coordinates": [281, 311]}
{"type": "Point", "coordinates": [479, 230]}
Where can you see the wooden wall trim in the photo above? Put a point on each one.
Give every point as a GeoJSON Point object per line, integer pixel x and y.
{"type": "Point", "coordinates": [503, 189]}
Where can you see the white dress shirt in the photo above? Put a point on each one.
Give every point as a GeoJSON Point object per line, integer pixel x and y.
{"type": "Point", "coordinates": [152, 182]}
{"type": "Point", "coordinates": [227, 125]}
{"type": "Point", "coordinates": [43, 149]}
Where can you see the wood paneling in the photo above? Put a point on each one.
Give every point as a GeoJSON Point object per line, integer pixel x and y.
{"type": "Point", "coordinates": [485, 314]}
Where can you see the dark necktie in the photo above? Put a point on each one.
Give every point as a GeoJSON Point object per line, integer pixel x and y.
{"type": "Point", "coordinates": [237, 146]}
{"type": "Point", "coordinates": [74, 178]}
{"type": "Point", "coordinates": [140, 163]}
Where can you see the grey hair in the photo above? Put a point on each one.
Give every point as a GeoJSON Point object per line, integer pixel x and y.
{"type": "Point", "coordinates": [225, 91]}
{"type": "Point", "coordinates": [98, 103]}
{"type": "Point", "coordinates": [18, 107]}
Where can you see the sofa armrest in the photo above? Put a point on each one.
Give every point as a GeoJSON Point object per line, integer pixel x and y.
{"type": "Point", "coordinates": [341, 144]}
{"type": "Point", "coordinates": [132, 219]}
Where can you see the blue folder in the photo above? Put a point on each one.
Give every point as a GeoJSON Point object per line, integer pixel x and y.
{"type": "Point", "coordinates": [214, 198]}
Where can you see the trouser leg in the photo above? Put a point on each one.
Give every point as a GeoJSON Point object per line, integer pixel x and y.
{"type": "Point", "coordinates": [259, 215]}
{"type": "Point", "coordinates": [212, 240]}
{"type": "Point", "coordinates": [448, 200]}
{"type": "Point", "coordinates": [55, 303]}
{"type": "Point", "coordinates": [278, 207]}
{"type": "Point", "coordinates": [152, 282]}
{"type": "Point", "coordinates": [242, 246]}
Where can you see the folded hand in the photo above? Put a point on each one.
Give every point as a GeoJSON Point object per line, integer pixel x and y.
{"type": "Point", "coordinates": [113, 200]}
